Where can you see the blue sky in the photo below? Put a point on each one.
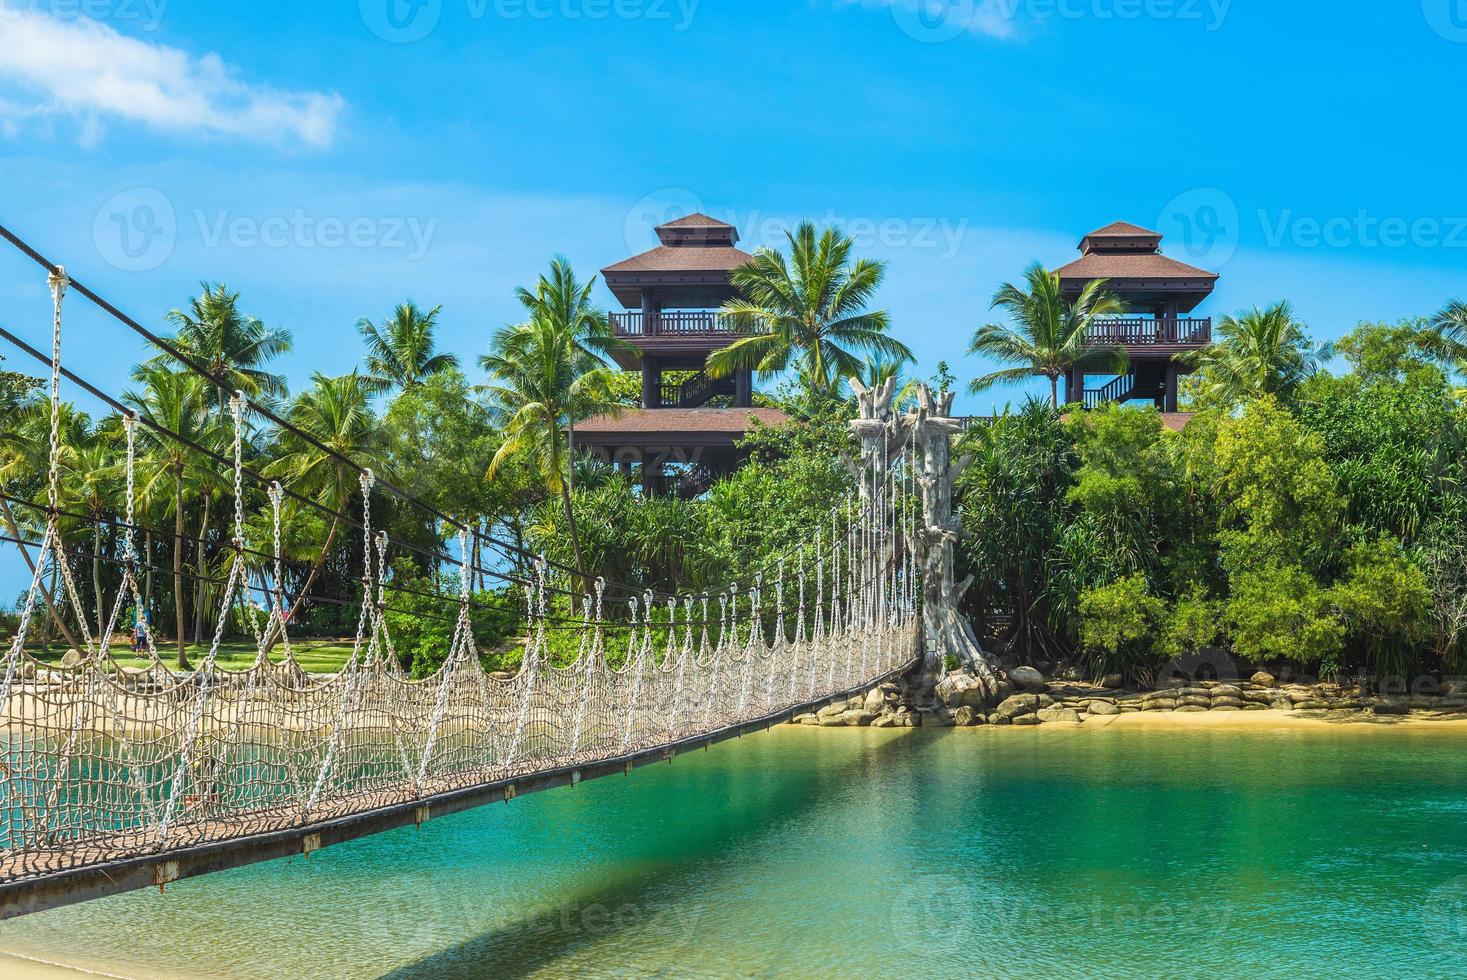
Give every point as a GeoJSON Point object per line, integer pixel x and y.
{"type": "Point", "coordinates": [329, 160]}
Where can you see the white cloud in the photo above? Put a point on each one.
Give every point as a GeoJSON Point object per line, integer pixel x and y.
{"type": "Point", "coordinates": [87, 70]}
{"type": "Point", "coordinates": [943, 20]}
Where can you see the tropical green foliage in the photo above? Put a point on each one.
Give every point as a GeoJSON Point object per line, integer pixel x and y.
{"type": "Point", "coordinates": [1405, 351]}
{"type": "Point", "coordinates": [422, 626]}
{"type": "Point", "coordinates": [1307, 519]}
{"type": "Point", "coordinates": [1257, 353]}
{"type": "Point", "coordinates": [1049, 334]}
{"type": "Point", "coordinates": [232, 346]}
{"type": "Point", "coordinates": [402, 353]}
{"type": "Point", "coordinates": [1278, 611]}
{"type": "Point", "coordinates": [807, 312]}
{"type": "Point", "coordinates": [546, 374]}
{"type": "Point", "coordinates": [797, 473]}
{"type": "Point", "coordinates": [1119, 623]}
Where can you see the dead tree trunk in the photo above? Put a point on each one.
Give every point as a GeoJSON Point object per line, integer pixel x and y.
{"type": "Point", "coordinates": [945, 632]}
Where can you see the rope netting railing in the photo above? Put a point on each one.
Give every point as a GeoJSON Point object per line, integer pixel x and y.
{"type": "Point", "coordinates": [100, 762]}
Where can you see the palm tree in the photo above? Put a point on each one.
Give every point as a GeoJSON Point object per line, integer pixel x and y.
{"type": "Point", "coordinates": [231, 346]}
{"type": "Point", "coordinates": [1447, 333]}
{"type": "Point", "coordinates": [337, 414]}
{"type": "Point", "coordinates": [808, 311]}
{"type": "Point", "coordinates": [24, 454]}
{"type": "Point", "coordinates": [1258, 352]}
{"type": "Point", "coordinates": [400, 354]}
{"type": "Point", "coordinates": [177, 402]}
{"type": "Point", "coordinates": [543, 379]}
{"type": "Point", "coordinates": [89, 485]}
{"type": "Point", "coordinates": [562, 301]}
{"type": "Point", "coordinates": [1050, 335]}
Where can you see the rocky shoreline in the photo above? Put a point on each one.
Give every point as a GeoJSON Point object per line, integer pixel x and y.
{"type": "Point", "coordinates": [957, 701]}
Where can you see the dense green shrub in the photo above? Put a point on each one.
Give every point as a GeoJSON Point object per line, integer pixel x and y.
{"type": "Point", "coordinates": [1119, 625]}
{"type": "Point", "coordinates": [1192, 624]}
{"type": "Point", "coordinates": [1278, 610]}
{"type": "Point", "coordinates": [1384, 601]}
{"type": "Point", "coordinates": [422, 627]}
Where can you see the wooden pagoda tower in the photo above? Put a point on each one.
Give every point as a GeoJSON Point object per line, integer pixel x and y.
{"type": "Point", "coordinates": [671, 296]}
{"type": "Point", "coordinates": [1160, 293]}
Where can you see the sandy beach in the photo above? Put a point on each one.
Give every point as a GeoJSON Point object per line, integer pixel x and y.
{"type": "Point", "coordinates": [1351, 721]}
{"type": "Point", "coordinates": [23, 968]}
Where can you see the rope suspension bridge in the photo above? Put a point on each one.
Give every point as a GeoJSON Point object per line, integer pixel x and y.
{"type": "Point", "coordinates": [115, 777]}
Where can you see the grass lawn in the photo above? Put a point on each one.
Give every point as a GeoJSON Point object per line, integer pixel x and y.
{"type": "Point", "coordinates": [314, 656]}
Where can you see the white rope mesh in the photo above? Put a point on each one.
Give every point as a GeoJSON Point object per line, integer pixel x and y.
{"type": "Point", "coordinates": [103, 763]}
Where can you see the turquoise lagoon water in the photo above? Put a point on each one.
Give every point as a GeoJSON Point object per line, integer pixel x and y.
{"type": "Point", "coordinates": [817, 853]}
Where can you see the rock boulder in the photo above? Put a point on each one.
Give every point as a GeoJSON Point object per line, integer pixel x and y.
{"type": "Point", "coordinates": [1027, 679]}
{"type": "Point", "coordinates": [1023, 704]}
{"type": "Point", "coordinates": [958, 689]}
{"type": "Point", "coordinates": [1058, 715]}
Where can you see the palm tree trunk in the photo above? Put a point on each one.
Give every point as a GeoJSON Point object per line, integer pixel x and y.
{"type": "Point", "coordinates": [55, 572]}
{"type": "Point", "coordinates": [200, 593]}
{"type": "Point", "coordinates": [178, 612]}
{"type": "Point", "coordinates": [46, 593]}
{"type": "Point", "coordinates": [567, 488]}
{"type": "Point", "coordinates": [320, 562]}
{"type": "Point", "coordinates": [570, 453]}
{"type": "Point", "coordinates": [148, 575]}
{"type": "Point", "coordinates": [97, 576]}
{"type": "Point", "coordinates": [1053, 391]}
{"type": "Point", "coordinates": [575, 534]}
{"type": "Point", "coordinates": [477, 572]}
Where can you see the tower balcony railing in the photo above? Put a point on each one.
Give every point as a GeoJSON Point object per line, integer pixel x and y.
{"type": "Point", "coordinates": [1148, 331]}
{"type": "Point", "coordinates": [687, 323]}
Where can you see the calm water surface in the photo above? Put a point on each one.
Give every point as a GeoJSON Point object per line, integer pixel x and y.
{"type": "Point", "coordinates": [804, 852]}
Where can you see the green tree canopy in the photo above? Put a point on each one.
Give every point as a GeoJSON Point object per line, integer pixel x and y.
{"type": "Point", "coordinates": [1049, 335]}
{"type": "Point", "coordinates": [808, 312]}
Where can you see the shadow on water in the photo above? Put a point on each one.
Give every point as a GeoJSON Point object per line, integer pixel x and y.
{"type": "Point", "coordinates": [633, 896]}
